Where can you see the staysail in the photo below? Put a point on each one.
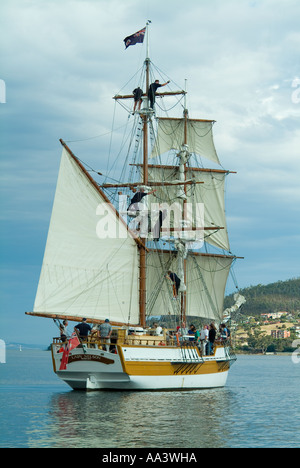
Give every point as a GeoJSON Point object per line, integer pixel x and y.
{"type": "Point", "coordinates": [90, 266]}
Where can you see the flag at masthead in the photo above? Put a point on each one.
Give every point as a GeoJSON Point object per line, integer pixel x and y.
{"type": "Point", "coordinates": [135, 38]}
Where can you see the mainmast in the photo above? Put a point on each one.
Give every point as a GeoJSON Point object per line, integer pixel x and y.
{"type": "Point", "coordinates": [144, 116]}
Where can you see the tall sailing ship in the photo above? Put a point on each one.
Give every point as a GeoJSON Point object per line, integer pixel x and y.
{"type": "Point", "coordinates": [107, 258]}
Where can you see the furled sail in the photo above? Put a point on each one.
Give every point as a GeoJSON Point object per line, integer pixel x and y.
{"type": "Point", "coordinates": [210, 193]}
{"type": "Point", "coordinates": [206, 278]}
{"type": "Point", "coordinates": [170, 135]}
{"type": "Point", "coordinates": [90, 266]}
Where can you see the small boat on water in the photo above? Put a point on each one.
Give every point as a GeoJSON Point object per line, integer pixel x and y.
{"type": "Point", "coordinates": [139, 248]}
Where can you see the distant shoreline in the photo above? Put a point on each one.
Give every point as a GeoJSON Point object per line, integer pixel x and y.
{"type": "Point", "coordinates": [281, 353]}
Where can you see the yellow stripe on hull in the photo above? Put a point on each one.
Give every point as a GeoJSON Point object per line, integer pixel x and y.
{"type": "Point", "coordinates": [166, 368]}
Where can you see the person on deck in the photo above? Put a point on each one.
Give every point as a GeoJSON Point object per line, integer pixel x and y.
{"type": "Point", "coordinates": [158, 331]}
{"type": "Point", "coordinates": [211, 338]}
{"type": "Point", "coordinates": [183, 329]}
{"type": "Point", "coordinates": [64, 334]}
{"type": "Point", "coordinates": [83, 329]}
{"type": "Point", "coordinates": [197, 336]}
{"type": "Point", "coordinates": [182, 332]}
{"type": "Point", "coordinates": [137, 97]}
{"type": "Point", "coordinates": [223, 332]}
{"type": "Point", "coordinates": [176, 282]}
{"type": "Point", "coordinates": [152, 90]}
{"type": "Point", "coordinates": [192, 331]}
{"type": "Point", "coordinates": [105, 331]}
{"type": "Point", "coordinates": [204, 339]}
{"type": "Point", "coordinates": [228, 333]}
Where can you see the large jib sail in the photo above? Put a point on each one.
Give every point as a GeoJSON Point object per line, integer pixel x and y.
{"type": "Point", "coordinates": [90, 266]}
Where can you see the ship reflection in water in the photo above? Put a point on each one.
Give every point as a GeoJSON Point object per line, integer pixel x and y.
{"type": "Point", "coordinates": [130, 420]}
{"type": "Point", "coordinates": [254, 410]}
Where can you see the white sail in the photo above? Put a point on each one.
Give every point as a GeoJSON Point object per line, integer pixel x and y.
{"type": "Point", "coordinates": [206, 278]}
{"type": "Point", "coordinates": [210, 193]}
{"type": "Point", "coordinates": [84, 274]}
{"type": "Point", "coordinates": [159, 288]}
{"type": "Point", "coordinates": [170, 135]}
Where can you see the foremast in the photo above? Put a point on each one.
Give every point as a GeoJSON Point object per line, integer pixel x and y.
{"type": "Point", "coordinates": [184, 156]}
{"type": "Point", "coordinates": [146, 114]}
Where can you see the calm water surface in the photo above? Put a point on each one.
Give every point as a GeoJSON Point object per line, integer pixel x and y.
{"type": "Point", "coordinates": [259, 407]}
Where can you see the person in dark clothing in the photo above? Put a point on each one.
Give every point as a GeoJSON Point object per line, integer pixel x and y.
{"type": "Point", "coordinates": [137, 198]}
{"type": "Point", "coordinates": [152, 90]}
{"type": "Point", "coordinates": [137, 96]}
{"type": "Point", "coordinates": [158, 225]}
{"type": "Point", "coordinates": [83, 329]}
{"type": "Point", "coordinates": [211, 338]}
{"type": "Point", "coordinates": [176, 282]}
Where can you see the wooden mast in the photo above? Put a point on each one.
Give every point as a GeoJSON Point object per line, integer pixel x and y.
{"type": "Point", "coordinates": [144, 116]}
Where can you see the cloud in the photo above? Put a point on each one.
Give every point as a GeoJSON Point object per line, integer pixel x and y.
{"type": "Point", "coordinates": [62, 61]}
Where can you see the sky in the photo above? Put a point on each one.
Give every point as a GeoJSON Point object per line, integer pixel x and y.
{"type": "Point", "coordinates": [61, 63]}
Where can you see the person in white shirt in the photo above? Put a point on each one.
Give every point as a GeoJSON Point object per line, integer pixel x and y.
{"type": "Point", "coordinates": [204, 339]}
{"type": "Point", "coordinates": [157, 330]}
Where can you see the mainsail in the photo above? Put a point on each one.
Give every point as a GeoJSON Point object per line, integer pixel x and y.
{"type": "Point", "coordinates": [90, 266]}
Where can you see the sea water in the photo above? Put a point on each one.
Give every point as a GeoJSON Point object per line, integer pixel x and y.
{"type": "Point", "coordinates": [259, 407]}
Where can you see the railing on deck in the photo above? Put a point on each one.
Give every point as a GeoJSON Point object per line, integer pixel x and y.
{"type": "Point", "coordinates": [98, 343]}
{"type": "Point", "coordinates": [120, 337]}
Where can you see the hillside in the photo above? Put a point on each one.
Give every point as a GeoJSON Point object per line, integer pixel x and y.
{"type": "Point", "coordinates": [283, 296]}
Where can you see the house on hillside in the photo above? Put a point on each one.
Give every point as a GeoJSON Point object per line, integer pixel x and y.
{"type": "Point", "coordinates": [280, 334]}
{"type": "Point", "coordinates": [273, 315]}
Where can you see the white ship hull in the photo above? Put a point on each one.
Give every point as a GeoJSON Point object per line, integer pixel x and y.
{"type": "Point", "coordinates": [143, 368]}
